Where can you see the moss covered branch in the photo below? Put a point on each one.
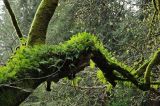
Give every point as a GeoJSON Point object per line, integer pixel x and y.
{"type": "Point", "coordinates": [40, 63]}
{"type": "Point", "coordinates": [38, 30]}
{"type": "Point", "coordinates": [32, 65]}
{"type": "Point", "coordinates": [154, 61]}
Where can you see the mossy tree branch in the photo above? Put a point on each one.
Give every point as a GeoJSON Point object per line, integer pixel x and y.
{"type": "Point", "coordinates": [37, 35]}
{"type": "Point", "coordinates": [13, 18]}
{"type": "Point", "coordinates": [40, 63]}
{"type": "Point", "coordinates": [154, 61]}
{"type": "Point", "coordinates": [38, 30]}
{"type": "Point", "coordinates": [52, 63]}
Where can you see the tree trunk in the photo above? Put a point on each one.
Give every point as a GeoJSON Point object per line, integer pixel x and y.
{"type": "Point", "coordinates": [38, 30]}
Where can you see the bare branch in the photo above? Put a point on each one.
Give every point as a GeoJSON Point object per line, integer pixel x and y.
{"type": "Point", "coordinates": [13, 18]}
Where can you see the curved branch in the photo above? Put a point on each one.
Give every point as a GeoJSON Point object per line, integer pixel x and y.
{"type": "Point", "coordinates": [38, 29]}
{"type": "Point", "coordinates": [155, 61]}
{"type": "Point", "coordinates": [40, 63]}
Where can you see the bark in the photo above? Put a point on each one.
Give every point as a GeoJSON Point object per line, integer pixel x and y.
{"type": "Point", "coordinates": [38, 30]}
{"type": "Point", "coordinates": [13, 17]}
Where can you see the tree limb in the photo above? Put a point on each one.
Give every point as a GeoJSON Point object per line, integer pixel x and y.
{"type": "Point", "coordinates": [52, 63]}
{"type": "Point", "coordinates": [38, 29]}
{"type": "Point", "coordinates": [13, 18]}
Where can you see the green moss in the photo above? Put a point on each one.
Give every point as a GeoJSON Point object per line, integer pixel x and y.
{"type": "Point", "coordinates": [30, 58]}
{"type": "Point", "coordinates": [155, 60]}
{"type": "Point", "coordinates": [45, 11]}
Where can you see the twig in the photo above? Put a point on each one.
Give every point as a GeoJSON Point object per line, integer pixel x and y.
{"type": "Point", "coordinates": [15, 87]}
{"type": "Point", "coordinates": [86, 87]}
{"type": "Point", "coordinates": [93, 87]}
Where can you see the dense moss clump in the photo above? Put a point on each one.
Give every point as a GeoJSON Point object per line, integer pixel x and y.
{"type": "Point", "coordinates": [31, 58]}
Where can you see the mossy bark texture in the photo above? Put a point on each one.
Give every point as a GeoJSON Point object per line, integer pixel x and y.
{"type": "Point", "coordinates": [38, 30]}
